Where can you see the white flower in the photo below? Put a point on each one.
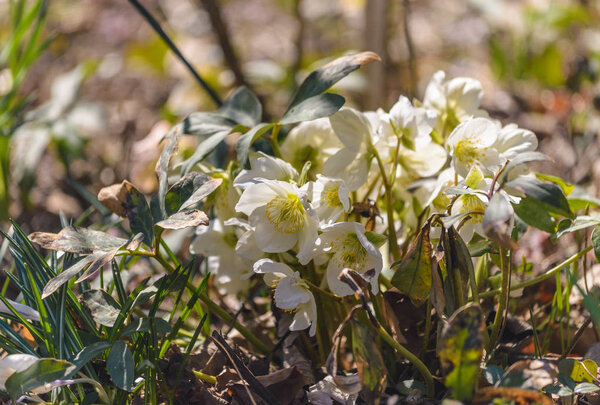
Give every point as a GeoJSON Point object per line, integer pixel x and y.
{"type": "Point", "coordinates": [291, 293]}
{"type": "Point", "coordinates": [454, 100]}
{"type": "Point", "coordinates": [352, 163]}
{"type": "Point", "coordinates": [472, 144]}
{"type": "Point", "coordinates": [329, 198]}
{"type": "Point", "coordinates": [245, 246]}
{"type": "Point", "coordinates": [281, 216]}
{"type": "Point", "coordinates": [310, 141]}
{"type": "Point", "coordinates": [350, 248]}
{"type": "Point", "coordinates": [406, 130]}
{"type": "Point", "coordinates": [263, 166]}
{"type": "Point", "coordinates": [218, 244]}
{"type": "Point", "coordinates": [513, 140]}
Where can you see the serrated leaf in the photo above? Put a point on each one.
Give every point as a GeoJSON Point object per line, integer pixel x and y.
{"type": "Point", "coordinates": [120, 366]}
{"type": "Point", "coordinates": [498, 220]}
{"type": "Point", "coordinates": [43, 371]}
{"type": "Point", "coordinates": [567, 188]}
{"type": "Point", "coordinates": [533, 213]}
{"type": "Point", "coordinates": [461, 349]}
{"type": "Point", "coordinates": [242, 107]}
{"type": "Point", "coordinates": [102, 306]}
{"type": "Point", "coordinates": [140, 325]}
{"type": "Point", "coordinates": [312, 108]}
{"type": "Point", "coordinates": [184, 219]}
{"type": "Point", "coordinates": [412, 275]}
{"type": "Point", "coordinates": [73, 239]}
{"type": "Point", "coordinates": [244, 142]}
{"type": "Point", "coordinates": [549, 195]}
{"type": "Point", "coordinates": [189, 190]}
{"type": "Point", "coordinates": [520, 159]}
{"type": "Point", "coordinates": [322, 79]}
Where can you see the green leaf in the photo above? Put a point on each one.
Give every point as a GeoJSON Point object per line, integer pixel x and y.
{"type": "Point", "coordinates": [493, 374]}
{"type": "Point", "coordinates": [567, 188]}
{"type": "Point", "coordinates": [312, 108]}
{"type": "Point", "coordinates": [549, 195]}
{"type": "Point", "coordinates": [140, 325]}
{"type": "Point", "coordinates": [581, 222]}
{"type": "Point", "coordinates": [189, 190]}
{"type": "Point", "coordinates": [244, 142]}
{"type": "Point", "coordinates": [103, 307]}
{"type": "Point", "coordinates": [376, 239]}
{"type": "Point", "coordinates": [534, 213]}
{"type": "Point", "coordinates": [579, 199]}
{"type": "Point", "coordinates": [203, 150]}
{"type": "Point", "coordinates": [120, 365]}
{"type": "Point", "coordinates": [77, 240]}
{"type": "Point", "coordinates": [497, 221]}
{"type": "Point", "coordinates": [184, 219]}
{"type": "Point", "coordinates": [460, 351]}
{"type": "Point", "coordinates": [412, 275]}
{"type": "Point", "coordinates": [586, 388]}
{"type": "Point", "coordinates": [524, 157]}
{"type": "Point", "coordinates": [577, 369]}
{"type": "Point", "coordinates": [162, 166]}
{"type": "Point", "coordinates": [42, 372]}
{"type": "Point", "coordinates": [242, 107]}
{"type": "Point", "coordinates": [89, 353]}
{"type": "Point", "coordinates": [457, 257]}
{"type": "Point", "coordinates": [322, 79]}
{"type": "Point", "coordinates": [596, 242]}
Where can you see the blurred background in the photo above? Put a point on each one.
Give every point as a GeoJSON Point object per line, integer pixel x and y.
{"type": "Point", "coordinates": [87, 107]}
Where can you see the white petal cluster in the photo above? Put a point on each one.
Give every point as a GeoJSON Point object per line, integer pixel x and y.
{"type": "Point", "coordinates": [439, 156]}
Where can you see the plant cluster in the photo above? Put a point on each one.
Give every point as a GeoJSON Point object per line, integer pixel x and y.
{"type": "Point", "coordinates": [350, 223]}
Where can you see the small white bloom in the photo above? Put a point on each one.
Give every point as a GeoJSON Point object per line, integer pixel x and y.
{"type": "Point", "coordinates": [281, 216]}
{"type": "Point", "coordinates": [263, 166]}
{"type": "Point", "coordinates": [349, 247]}
{"type": "Point", "coordinates": [412, 124]}
{"type": "Point", "coordinates": [291, 293]}
{"type": "Point", "coordinates": [513, 140]}
{"type": "Point", "coordinates": [218, 245]}
{"type": "Point", "coordinates": [454, 100]}
{"type": "Point", "coordinates": [472, 144]}
{"type": "Point", "coordinates": [310, 141]}
{"type": "Point", "coordinates": [352, 163]}
{"type": "Point", "coordinates": [329, 197]}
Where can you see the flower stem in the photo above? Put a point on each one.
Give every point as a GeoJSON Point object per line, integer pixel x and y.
{"type": "Point", "coordinates": [505, 268]}
{"type": "Point", "coordinates": [411, 358]}
{"type": "Point", "coordinates": [209, 379]}
{"type": "Point", "coordinates": [392, 238]}
{"type": "Point", "coordinates": [275, 141]}
{"type": "Point", "coordinates": [541, 277]}
{"type": "Point", "coordinates": [212, 306]}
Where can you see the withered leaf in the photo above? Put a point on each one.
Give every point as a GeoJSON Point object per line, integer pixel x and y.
{"type": "Point", "coordinates": [184, 219]}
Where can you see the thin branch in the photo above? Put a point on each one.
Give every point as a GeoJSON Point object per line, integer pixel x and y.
{"type": "Point", "coordinates": [412, 63]}
{"type": "Point", "coordinates": [220, 29]}
{"type": "Point", "coordinates": [158, 29]}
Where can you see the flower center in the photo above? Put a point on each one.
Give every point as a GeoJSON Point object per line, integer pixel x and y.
{"type": "Point", "coordinates": [349, 252]}
{"type": "Point", "coordinates": [287, 214]}
{"type": "Point", "coordinates": [472, 203]}
{"type": "Point", "coordinates": [467, 151]}
{"type": "Point", "coordinates": [332, 196]}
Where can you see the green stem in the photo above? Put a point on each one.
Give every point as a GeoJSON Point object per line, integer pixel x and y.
{"type": "Point", "coordinates": [502, 300]}
{"type": "Point", "coordinates": [411, 358]}
{"type": "Point", "coordinates": [209, 379]}
{"type": "Point", "coordinates": [214, 308]}
{"type": "Point", "coordinates": [392, 238]}
{"type": "Point", "coordinates": [541, 277]}
{"type": "Point", "coordinates": [275, 141]}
